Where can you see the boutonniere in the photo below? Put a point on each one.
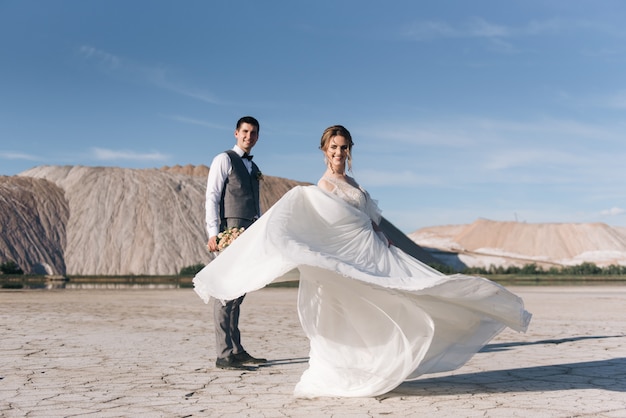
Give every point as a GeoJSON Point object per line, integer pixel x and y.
{"type": "Point", "coordinates": [226, 237]}
{"type": "Point", "coordinates": [259, 176]}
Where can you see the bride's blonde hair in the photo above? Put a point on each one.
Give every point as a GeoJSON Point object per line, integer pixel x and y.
{"type": "Point", "coordinates": [330, 133]}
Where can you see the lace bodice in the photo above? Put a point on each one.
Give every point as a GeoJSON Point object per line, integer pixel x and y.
{"type": "Point", "coordinates": [352, 195]}
{"type": "Point", "coordinates": [355, 196]}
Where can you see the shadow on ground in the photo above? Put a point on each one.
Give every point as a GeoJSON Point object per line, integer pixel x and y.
{"type": "Point", "coordinates": [506, 346]}
{"type": "Point", "coordinates": [604, 375]}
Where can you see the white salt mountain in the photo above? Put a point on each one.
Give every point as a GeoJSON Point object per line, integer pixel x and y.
{"type": "Point", "coordinates": [33, 217]}
{"type": "Point", "coordinates": [124, 221]}
{"type": "Point", "coordinates": [484, 243]}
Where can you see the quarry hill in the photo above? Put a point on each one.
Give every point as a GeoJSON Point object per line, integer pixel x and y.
{"type": "Point", "coordinates": [485, 242]}
{"type": "Point", "coordinates": [99, 221]}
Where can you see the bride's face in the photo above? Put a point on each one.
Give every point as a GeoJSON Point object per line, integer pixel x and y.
{"type": "Point", "coordinates": [337, 152]}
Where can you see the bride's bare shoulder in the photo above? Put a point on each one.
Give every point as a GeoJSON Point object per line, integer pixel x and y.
{"type": "Point", "coordinates": [324, 184]}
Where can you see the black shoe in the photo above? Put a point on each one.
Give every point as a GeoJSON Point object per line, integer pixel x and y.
{"type": "Point", "coordinates": [230, 363]}
{"type": "Point", "coordinates": [244, 357]}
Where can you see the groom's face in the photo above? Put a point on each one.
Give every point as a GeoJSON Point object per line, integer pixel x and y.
{"type": "Point", "coordinates": [247, 135]}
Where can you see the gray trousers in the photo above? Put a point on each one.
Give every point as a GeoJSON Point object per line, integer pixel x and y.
{"type": "Point", "coordinates": [227, 335]}
{"type": "Point", "coordinates": [226, 317]}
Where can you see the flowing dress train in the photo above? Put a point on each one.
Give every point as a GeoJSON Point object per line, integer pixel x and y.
{"type": "Point", "coordinates": [374, 315]}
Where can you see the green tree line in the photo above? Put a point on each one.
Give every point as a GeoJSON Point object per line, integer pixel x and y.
{"type": "Point", "coordinates": [583, 269]}
{"type": "Point", "coordinates": [10, 267]}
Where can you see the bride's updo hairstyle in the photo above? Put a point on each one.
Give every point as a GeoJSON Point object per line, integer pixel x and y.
{"type": "Point", "coordinates": [330, 133]}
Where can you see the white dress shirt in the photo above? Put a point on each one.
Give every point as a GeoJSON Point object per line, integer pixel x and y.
{"type": "Point", "coordinates": [219, 170]}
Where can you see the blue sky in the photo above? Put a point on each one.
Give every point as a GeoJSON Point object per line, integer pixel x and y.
{"type": "Point", "coordinates": [505, 110]}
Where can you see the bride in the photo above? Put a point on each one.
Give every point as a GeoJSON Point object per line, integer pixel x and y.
{"type": "Point", "coordinates": [374, 315]}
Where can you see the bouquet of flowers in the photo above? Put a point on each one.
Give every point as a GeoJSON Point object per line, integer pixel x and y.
{"type": "Point", "coordinates": [226, 237]}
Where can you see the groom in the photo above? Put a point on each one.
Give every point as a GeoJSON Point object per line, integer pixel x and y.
{"type": "Point", "coordinates": [232, 200]}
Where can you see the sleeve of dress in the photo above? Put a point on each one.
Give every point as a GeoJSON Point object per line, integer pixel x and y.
{"type": "Point", "coordinates": [372, 209]}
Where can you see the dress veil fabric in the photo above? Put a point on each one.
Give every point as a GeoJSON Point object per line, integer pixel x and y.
{"type": "Point", "coordinates": [374, 315]}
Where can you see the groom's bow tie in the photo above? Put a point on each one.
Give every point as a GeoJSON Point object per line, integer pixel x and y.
{"type": "Point", "coordinates": [247, 156]}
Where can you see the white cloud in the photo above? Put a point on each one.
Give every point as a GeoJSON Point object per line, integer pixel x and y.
{"type": "Point", "coordinates": [156, 76]}
{"type": "Point", "coordinates": [614, 211]}
{"type": "Point", "coordinates": [108, 155]}
{"type": "Point", "coordinates": [524, 157]}
{"type": "Point", "coordinates": [548, 126]}
{"type": "Point", "coordinates": [474, 28]}
{"type": "Point", "coordinates": [478, 27]}
{"type": "Point", "coordinates": [192, 121]}
{"type": "Point", "coordinates": [424, 30]}
{"type": "Point", "coordinates": [377, 178]}
{"type": "Point", "coordinates": [616, 101]}
{"type": "Point", "coordinates": [443, 134]}
{"type": "Point", "coordinates": [501, 46]}
{"type": "Point", "coordinates": [104, 59]}
{"type": "Point", "coordinates": [483, 134]}
{"type": "Point", "coordinates": [464, 151]}
{"type": "Point", "coordinates": [538, 27]}
{"type": "Point", "coordinates": [10, 155]}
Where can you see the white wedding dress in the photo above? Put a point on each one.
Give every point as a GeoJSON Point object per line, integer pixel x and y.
{"type": "Point", "coordinates": [374, 315]}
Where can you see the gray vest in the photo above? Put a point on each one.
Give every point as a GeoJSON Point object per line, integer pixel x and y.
{"type": "Point", "coordinates": [240, 196]}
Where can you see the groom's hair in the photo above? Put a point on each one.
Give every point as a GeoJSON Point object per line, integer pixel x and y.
{"type": "Point", "coordinates": [249, 119]}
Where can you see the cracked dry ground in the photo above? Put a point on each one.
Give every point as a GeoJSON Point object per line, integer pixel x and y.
{"type": "Point", "coordinates": [142, 352]}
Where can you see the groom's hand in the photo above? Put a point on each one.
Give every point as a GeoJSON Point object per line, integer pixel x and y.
{"type": "Point", "coordinates": [212, 244]}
